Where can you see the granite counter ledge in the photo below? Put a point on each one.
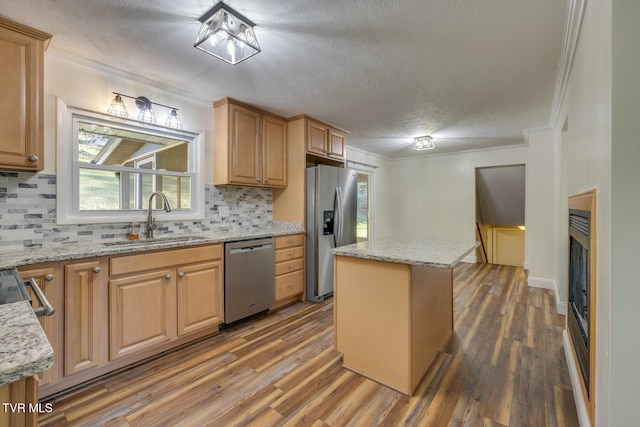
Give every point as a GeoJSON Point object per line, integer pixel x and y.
{"type": "Point", "coordinates": [71, 251]}
{"type": "Point", "coordinates": [24, 348]}
{"type": "Point", "coordinates": [439, 253]}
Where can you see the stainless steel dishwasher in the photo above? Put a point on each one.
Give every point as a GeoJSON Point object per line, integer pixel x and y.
{"type": "Point", "coordinates": [249, 278]}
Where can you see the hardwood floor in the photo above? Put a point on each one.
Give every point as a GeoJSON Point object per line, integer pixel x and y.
{"type": "Point", "coordinates": [504, 366]}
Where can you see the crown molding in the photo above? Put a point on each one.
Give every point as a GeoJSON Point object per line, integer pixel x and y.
{"type": "Point", "coordinates": [575, 13]}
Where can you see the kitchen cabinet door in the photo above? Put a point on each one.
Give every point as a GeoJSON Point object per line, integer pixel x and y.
{"type": "Point", "coordinates": [337, 144]}
{"type": "Point", "coordinates": [85, 316]}
{"type": "Point", "coordinates": [244, 146]}
{"type": "Point", "coordinates": [200, 297]}
{"type": "Point", "coordinates": [142, 312]}
{"type": "Point", "coordinates": [48, 279]}
{"type": "Point", "coordinates": [317, 138]}
{"type": "Point", "coordinates": [274, 152]}
{"type": "Point", "coordinates": [21, 96]}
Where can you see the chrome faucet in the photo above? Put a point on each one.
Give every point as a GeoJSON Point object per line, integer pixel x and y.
{"type": "Point", "coordinates": [151, 221]}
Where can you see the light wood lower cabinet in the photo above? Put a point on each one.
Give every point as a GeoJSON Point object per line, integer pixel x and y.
{"type": "Point", "coordinates": [22, 392]}
{"type": "Point", "coordinates": [142, 312]}
{"type": "Point", "coordinates": [151, 308]}
{"type": "Point", "coordinates": [289, 258]}
{"type": "Point", "coordinates": [85, 316]}
{"type": "Point", "coordinates": [114, 311]}
{"type": "Point", "coordinates": [200, 297]}
{"type": "Point", "coordinates": [49, 279]}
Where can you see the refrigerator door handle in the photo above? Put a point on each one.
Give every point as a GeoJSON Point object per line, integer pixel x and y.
{"type": "Point", "coordinates": [336, 216]}
{"type": "Point", "coordinates": [340, 212]}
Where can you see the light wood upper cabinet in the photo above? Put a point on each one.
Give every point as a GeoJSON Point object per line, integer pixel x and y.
{"type": "Point", "coordinates": [85, 316]}
{"type": "Point", "coordinates": [250, 146]}
{"type": "Point", "coordinates": [21, 96]}
{"type": "Point", "coordinates": [325, 141]}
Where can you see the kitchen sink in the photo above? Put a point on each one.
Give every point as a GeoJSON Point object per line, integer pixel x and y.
{"type": "Point", "coordinates": [156, 241]}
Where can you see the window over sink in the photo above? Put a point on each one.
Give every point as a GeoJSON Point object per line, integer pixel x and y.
{"type": "Point", "coordinates": [108, 169]}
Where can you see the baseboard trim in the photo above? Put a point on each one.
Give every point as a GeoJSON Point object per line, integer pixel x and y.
{"type": "Point", "coordinates": [583, 414]}
{"type": "Point", "coordinates": [541, 282]}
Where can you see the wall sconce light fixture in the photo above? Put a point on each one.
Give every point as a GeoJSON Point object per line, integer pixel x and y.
{"type": "Point", "coordinates": [118, 111]}
{"type": "Point", "coordinates": [227, 35]}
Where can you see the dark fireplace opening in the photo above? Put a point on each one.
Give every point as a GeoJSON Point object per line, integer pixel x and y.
{"type": "Point", "coordinates": [579, 294]}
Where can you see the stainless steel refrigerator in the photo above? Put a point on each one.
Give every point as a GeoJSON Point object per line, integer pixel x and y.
{"type": "Point", "coordinates": [331, 222]}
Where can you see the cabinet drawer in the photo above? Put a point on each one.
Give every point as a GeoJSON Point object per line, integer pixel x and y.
{"type": "Point", "coordinates": [289, 266]}
{"type": "Point", "coordinates": [289, 241]}
{"type": "Point", "coordinates": [289, 254]}
{"type": "Point", "coordinates": [289, 284]}
{"type": "Point", "coordinates": [162, 259]}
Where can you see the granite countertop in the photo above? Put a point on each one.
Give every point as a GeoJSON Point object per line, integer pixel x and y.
{"type": "Point", "coordinates": [438, 253]}
{"type": "Point", "coordinates": [24, 348]}
{"type": "Point", "coordinates": [69, 251]}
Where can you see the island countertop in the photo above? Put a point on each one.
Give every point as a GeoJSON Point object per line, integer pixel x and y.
{"type": "Point", "coordinates": [439, 253]}
{"type": "Point", "coordinates": [24, 348]}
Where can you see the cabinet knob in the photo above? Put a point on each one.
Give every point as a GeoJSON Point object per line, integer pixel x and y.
{"type": "Point", "coordinates": [168, 277]}
{"type": "Point", "coordinates": [290, 254]}
{"type": "Point", "coordinates": [181, 274]}
{"type": "Point", "coordinates": [264, 180]}
{"type": "Point", "coordinates": [290, 285]}
{"type": "Point", "coordinates": [33, 159]}
{"type": "Point", "coordinates": [257, 179]}
{"type": "Point", "coordinates": [96, 269]}
{"type": "Point", "coordinates": [290, 267]}
{"type": "Point", "coordinates": [49, 277]}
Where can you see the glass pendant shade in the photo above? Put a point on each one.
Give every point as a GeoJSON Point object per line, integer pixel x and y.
{"type": "Point", "coordinates": [173, 121]}
{"type": "Point", "coordinates": [423, 143]}
{"type": "Point", "coordinates": [117, 110]}
{"type": "Point", "coordinates": [227, 35]}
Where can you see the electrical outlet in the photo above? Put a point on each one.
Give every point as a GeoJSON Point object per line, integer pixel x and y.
{"type": "Point", "coordinates": [223, 211]}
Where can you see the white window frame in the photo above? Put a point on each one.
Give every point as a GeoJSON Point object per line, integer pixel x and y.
{"type": "Point", "coordinates": [364, 169]}
{"type": "Point", "coordinates": [68, 167]}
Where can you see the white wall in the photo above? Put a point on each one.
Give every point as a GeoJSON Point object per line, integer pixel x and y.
{"type": "Point", "coordinates": [541, 211]}
{"type": "Point", "coordinates": [90, 87]}
{"type": "Point", "coordinates": [435, 196]}
{"type": "Point", "coordinates": [588, 165]}
{"type": "Point", "coordinates": [625, 209]}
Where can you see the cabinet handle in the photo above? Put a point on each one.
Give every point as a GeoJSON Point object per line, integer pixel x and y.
{"type": "Point", "coordinates": [264, 180]}
{"type": "Point", "coordinates": [96, 269]}
{"type": "Point", "coordinates": [290, 285]}
{"type": "Point", "coordinates": [290, 241]}
{"type": "Point", "coordinates": [181, 274]}
{"type": "Point", "coordinates": [290, 267]}
{"type": "Point", "coordinates": [33, 159]}
{"type": "Point", "coordinates": [290, 254]}
{"type": "Point", "coordinates": [168, 277]}
{"type": "Point", "coordinates": [49, 277]}
{"type": "Point", "coordinates": [257, 179]}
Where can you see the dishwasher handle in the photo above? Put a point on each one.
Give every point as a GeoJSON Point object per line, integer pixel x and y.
{"type": "Point", "coordinates": [250, 248]}
{"type": "Point", "coordinates": [45, 308]}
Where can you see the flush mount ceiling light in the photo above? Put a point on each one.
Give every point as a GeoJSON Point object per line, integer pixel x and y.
{"type": "Point", "coordinates": [227, 35]}
{"type": "Point", "coordinates": [423, 143]}
{"type": "Point", "coordinates": [118, 111]}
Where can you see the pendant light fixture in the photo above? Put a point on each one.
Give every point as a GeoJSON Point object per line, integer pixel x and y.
{"type": "Point", "coordinates": [227, 35]}
{"type": "Point", "coordinates": [117, 110]}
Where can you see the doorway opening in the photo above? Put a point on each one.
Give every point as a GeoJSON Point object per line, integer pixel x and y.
{"type": "Point", "coordinates": [500, 214]}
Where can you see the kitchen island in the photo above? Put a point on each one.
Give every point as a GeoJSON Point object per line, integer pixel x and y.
{"type": "Point", "coordinates": [393, 306]}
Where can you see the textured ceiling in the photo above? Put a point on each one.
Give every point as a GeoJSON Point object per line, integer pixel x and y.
{"type": "Point", "coordinates": [472, 74]}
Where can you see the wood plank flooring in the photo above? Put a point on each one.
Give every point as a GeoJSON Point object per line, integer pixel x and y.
{"type": "Point", "coordinates": [504, 366]}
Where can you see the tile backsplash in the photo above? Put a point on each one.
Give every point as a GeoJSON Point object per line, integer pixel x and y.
{"type": "Point", "coordinates": [28, 214]}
